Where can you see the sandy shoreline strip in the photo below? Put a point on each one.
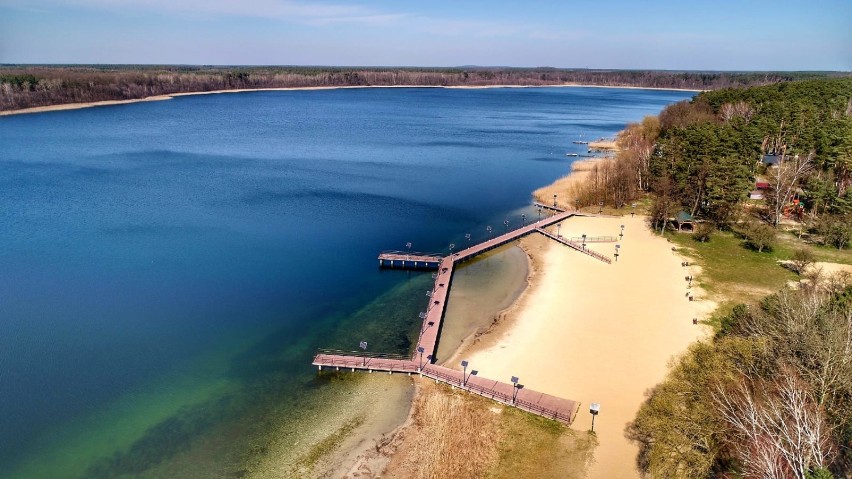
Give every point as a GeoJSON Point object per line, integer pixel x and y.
{"type": "Point", "coordinates": [77, 106]}
{"type": "Point", "coordinates": [601, 333]}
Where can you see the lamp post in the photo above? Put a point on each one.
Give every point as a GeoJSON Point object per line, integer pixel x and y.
{"type": "Point", "coordinates": [467, 237]}
{"type": "Point", "coordinates": [408, 246]}
{"type": "Point", "coordinates": [594, 409]}
{"type": "Point", "coordinates": [506, 223]}
{"type": "Point", "coordinates": [633, 211]}
{"type": "Point", "coordinates": [539, 213]}
{"type": "Point", "coordinates": [488, 229]}
{"type": "Point", "coordinates": [523, 219]}
{"type": "Point", "coordinates": [465, 376]}
{"type": "Point", "coordinates": [577, 205]}
{"type": "Point", "coordinates": [622, 231]}
{"type": "Point", "coordinates": [515, 388]}
{"type": "Point", "coordinates": [420, 350]}
{"type": "Point", "coordinates": [363, 346]}
{"type": "Point", "coordinates": [452, 246]}
{"type": "Point", "coordinates": [584, 241]}
{"type": "Point", "coordinates": [600, 209]}
{"type": "Point", "coordinates": [617, 247]}
{"type": "Point", "coordinates": [554, 201]}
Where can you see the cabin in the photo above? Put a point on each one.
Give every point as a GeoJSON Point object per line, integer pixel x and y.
{"type": "Point", "coordinates": [772, 160]}
{"type": "Point", "coordinates": [683, 220]}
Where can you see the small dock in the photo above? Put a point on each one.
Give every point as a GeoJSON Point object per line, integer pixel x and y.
{"type": "Point", "coordinates": [541, 404]}
{"type": "Point", "coordinates": [401, 259]}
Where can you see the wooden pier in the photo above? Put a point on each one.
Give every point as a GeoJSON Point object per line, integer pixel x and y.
{"type": "Point", "coordinates": [424, 357]}
{"type": "Point", "coordinates": [545, 405]}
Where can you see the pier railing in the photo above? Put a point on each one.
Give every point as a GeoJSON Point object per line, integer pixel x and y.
{"type": "Point", "coordinates": [435, 256]}
{"type": "Point", "coordinates": [362, 354]}
{"type": "Point", "coordinates": [498, 396]}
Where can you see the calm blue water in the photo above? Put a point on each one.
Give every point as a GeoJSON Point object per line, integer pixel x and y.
{"type": "Point", "coordinates": [167, 268]}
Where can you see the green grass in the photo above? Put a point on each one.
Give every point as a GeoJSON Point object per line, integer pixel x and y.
{"type": "Point", "coordinates": [734, 274]}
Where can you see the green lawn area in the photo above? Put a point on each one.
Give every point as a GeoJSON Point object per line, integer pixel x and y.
{"type": "Point", "coordinates": [734, 274]}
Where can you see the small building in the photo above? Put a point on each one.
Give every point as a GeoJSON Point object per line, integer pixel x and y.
{"type": "Point", "coordinates": [772, 160]}
{"type": "Point", "coordinates": [761, 185]}
{"type": "Point", "coordinates": [682, 220]}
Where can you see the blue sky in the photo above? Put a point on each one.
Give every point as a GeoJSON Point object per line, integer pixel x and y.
{"type": "Point", "coordinates": [720, 35]}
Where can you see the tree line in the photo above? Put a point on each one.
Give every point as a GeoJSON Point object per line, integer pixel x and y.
{"type": "Point", "coordinates": [23, 86]}
{"type": "Point", "coordinates": [703, 156]}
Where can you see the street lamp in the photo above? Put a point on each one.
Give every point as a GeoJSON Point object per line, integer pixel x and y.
{"type": "Point", "coordinates": [420, 350]}
{"type": "Point", "coordinates": [616, 252]}
{"type": "Point", "coordinates": [539, 213]}
{"type": "Point", "coordinates": [515, 388]}
{"type": "Point", "coordinates": [452, 246]}
{"type": "Point", "coordinates": [524, 219]}
{"type": "Point", "coordinates": [506, 223]}
{"type": "Point", "coordinates": [633, 212]}
{"type": "Point", "coordinates": [422, 315]}
{"type": "Point", "coordinates": [584, 241]}
{"type": "Point", "coordinates": [622, 231]}
{"type": "Point", "coordinates": [467, 237]}
{"type": "Point", "coordinates": [600, 210]}
{"type": "Point", "coordinates": [594, 409]}
{"type": "Point", "coordinates": [554, 201]}
{"type": "Point", "coordinates": [488, 229]}
{"type": "Point", "coordinates": [466, 376]}
{"type": "Point", "coordinates": [363, 346]}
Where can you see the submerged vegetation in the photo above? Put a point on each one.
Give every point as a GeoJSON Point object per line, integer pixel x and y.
{"type": "Point", "coordinates": [24, 86]}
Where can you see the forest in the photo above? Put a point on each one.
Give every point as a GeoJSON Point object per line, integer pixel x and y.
{"type": "Point", "coordinates": [770, 395]}
{"type": "Point", "coordinates": [707, 155]}
{"type": "Point", "coordinates": [25, 86]}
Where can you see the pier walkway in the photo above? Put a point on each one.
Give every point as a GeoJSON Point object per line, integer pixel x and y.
{"type": "Point", "coordinates": [545, 405]}
{"type": "Point", "coordinates": [424, 357]}
{"type": "Point", "coordinates": [577, 246]}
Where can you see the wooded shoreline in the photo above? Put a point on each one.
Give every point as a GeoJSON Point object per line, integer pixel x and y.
{"type": "Point", "coordinates": [28, 86]}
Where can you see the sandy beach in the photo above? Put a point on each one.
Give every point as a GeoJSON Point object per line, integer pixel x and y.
{"type": "Point", "coordinates": [77, 106]}
{"type": "Point", "coordinates": [594, 332]}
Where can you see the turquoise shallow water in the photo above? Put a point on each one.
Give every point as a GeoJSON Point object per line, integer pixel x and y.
{"type": "Point", "coordinates": [168, 268]}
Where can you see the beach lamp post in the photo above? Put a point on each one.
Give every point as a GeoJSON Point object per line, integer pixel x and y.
{"type": "Point", "coordinates": [539, 213]}
{"type": "Point", "coordinates": [622, 231]}
{"type": "Point", "coordinates": [506, 223]}
{"type": "Point", "coordinates": [600, 209]}
{"type": "Point", "coordinates": [617, 247]}
{"type": "Point", "coordinates": [464, 364]}
{"type": "Point", "coordinates": [452, 246]}
{"type": "Point", "coordinates": [558, 228]}
{"type": "Point", "coordinates": [633, 211]}
{"type": "Point", "coordinates": [422, 315]}
{"type": "Point", "coordinates": [577, 205]}
{"type": "Point", "coordinates": [554, 201]}
{"type": "Point", "coordinates": [488, 229]}
{"type": "Point", "coordinates": [515, 388]}
{"type": "Point", "coordinates": [467, 237]}
{"type": "Point", "coordinates": [584, 241]}
{"type": "Point", "coordinates": [363, 346]}
{"type": "Point", "coordinates": [594, 409]}
{"type": "Point", "coordinates": [420, 350]}
{"type": "Point", "coordinates": [524, 219]}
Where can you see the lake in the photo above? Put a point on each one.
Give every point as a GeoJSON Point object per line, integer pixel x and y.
{"type": "Point", "coordinates": [169, 268]}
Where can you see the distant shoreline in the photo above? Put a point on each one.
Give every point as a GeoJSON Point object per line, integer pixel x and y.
{"type": "Point", "coordinates": [77, 106]}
